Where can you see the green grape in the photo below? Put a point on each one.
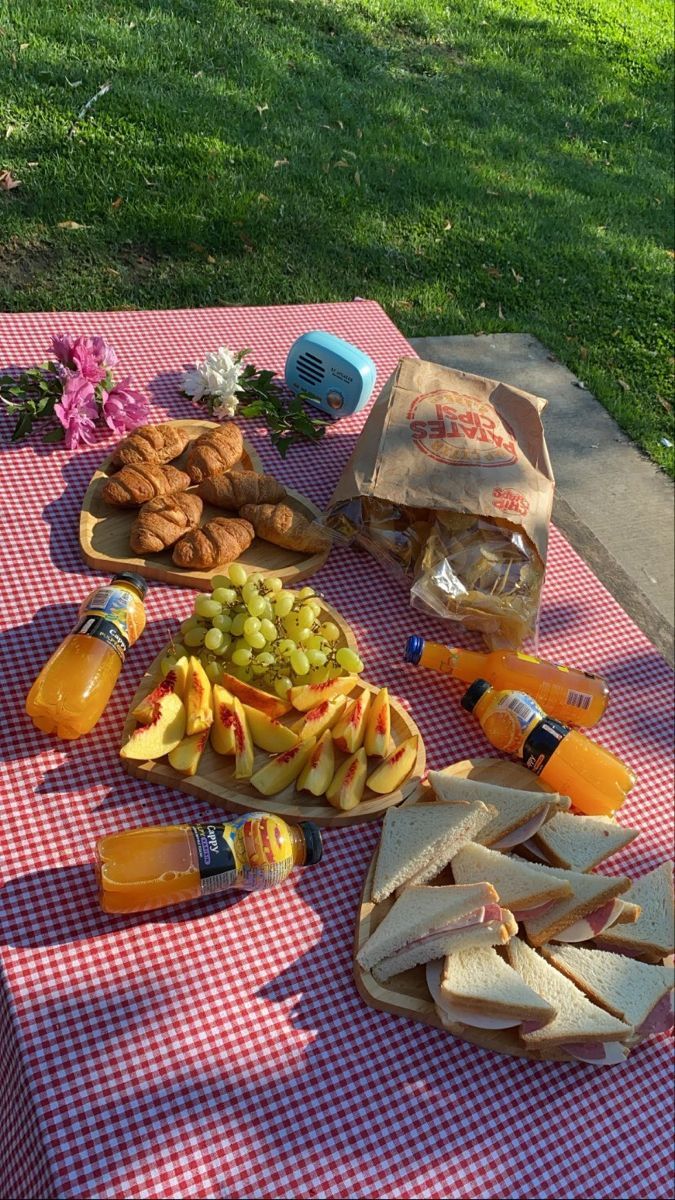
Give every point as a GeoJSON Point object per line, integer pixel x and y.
{"type": "Point", "coordinates": [167, 663]}
{"type": "Point", "coordinates": [249, 589]}
{"type": "Point", "coordinates": [315, 642]}
{"type": "Point", "coordinates": [268, 611]}
{"type": "Point", "coordinates": [315, 607]}
{"type": "Point", "coordinates": [241, 658]}
{"type": "Point", "coordinates": [290, 624]}
{"type": "Point", "coordinates": [303, 635]}
{"type": "Point", "coordinates": [224, 645]}
{"type": "Point", "coordinates": [273, 584]}
{"type": "Point", "coordinates": [306, 615]}
{"type": "Point", "coordinates": [283, 603]}
{"type": "Point", "coordinates": [222, 621]}
{"type": "Point", "coordinates": [251, 625]}
{"type": "Point", "coordinates": [238, 622]}
{"type": "Point", "coordinates": [190, 623]}
{"type": "Point", "coordinates": [213, 639]}
{"type": "Point", "coordinates": [282, 686]}
{"type": "Point", "coordinates": [237, 574]}
{"type": "Point", "coordinates": [317, 675]}
{"type": "Point", "coordinates": [256, 606]}
{"type": "Point", "coordinates": [195, 637]}
{"type": "Point", "coordinates": [329, 631]}
{"type": "Point", "coordinates": [349, 660]}
{"type": "Point", "coordinates": [225, 596]}
{"type": "Point", "coordinates": [268, 629]}
{"type": "Point", "coordinates": [220, 581]}
{"type": "Point", "coordinates": [256, 640]}
{"type": "Point", "coordinates": [265, 659]}
{"type": "Point", "coordinates": [285, 647]}
{"type": "Point", "coordinates": [305, 593]}
{"type": "Point", "coordinates": [178, 650]}
{"type": "Point", "coordinates": [206, 607]}
{"type": "Point", "coordinates": [299, 662]}
{"type": "Point", "coordinates": [315, 658]}
{"type": "Point", "coordinates": [214, 671]}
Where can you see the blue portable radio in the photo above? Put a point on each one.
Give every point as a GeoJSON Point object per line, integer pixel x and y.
{"type": "Point", "coordinates": [332, 374]}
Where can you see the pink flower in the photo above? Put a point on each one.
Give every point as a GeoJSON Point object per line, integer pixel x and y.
{"type": "Point", "coordinates": [78, 353]}
{"type": "Point", "coordinates": [77, 410]}
{"type": "Point", "coordinates": [85, 362]}
{"type": "Point", "coordinates": [104, 353]}
{"type": "Point", "coordinates": [62, 348]}
{"type": "Point", "coordinates": [123, 407]}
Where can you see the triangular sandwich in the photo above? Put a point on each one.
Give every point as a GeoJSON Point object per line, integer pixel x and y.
{"type": "Point", "coordinates": [478, 988]}
{"type": "Point", "coordinates": [593, 907]}
{"type": "Point", "coordinates": [518, 815]}
{"type": "Point", "coordinates": [417, 842]}
{"type": "Point", "coordinates": [578, 843]}
{"type": "Point", "coordinates": [520, 887]}
{"type": "Point", "coordinates": [651, 937]}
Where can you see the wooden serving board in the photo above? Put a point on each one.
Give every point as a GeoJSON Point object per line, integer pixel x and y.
{"type": "Point", "coordinates": [215, 781]}
{"type": "Point", "coordinates": [104, 534]}
{"type": "Point", "coordinates": [407, 994]}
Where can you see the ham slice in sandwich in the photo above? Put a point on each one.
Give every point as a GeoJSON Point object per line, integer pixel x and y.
{"type": "Point", "coordinates": [518, 814]}
{"type": "Point", "coordinates": [592, 907]}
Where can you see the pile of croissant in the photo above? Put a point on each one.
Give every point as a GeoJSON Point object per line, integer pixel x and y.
{"type": "Point", "coordinates": [171, 501]}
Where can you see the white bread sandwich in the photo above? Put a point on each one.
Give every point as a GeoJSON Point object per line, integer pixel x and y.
{"type": "Point", "coordinates": [579, 1028]}
{"type": "Point", "coordinates": [417, 842]}
{"type": "Point", "coordinates": [636, 993]}
{"type": "Point", "coordinates": [477, 988]}
{"type": "Point", "coordinates": [527, 892]}
{"type": "Point", "coordinates": [430, 922]}
{"type": "Point", "coordinates": [577, 843]}
{"type": "Point", "coordinates": [651, 937]}
{"type": "Point", "coordinates": [593, 907]}
{"type": "Point", "coordinates": [518, 815]}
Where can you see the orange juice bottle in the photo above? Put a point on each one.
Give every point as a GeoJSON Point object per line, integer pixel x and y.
{"type": "Point", "coordinates": [596, 781]}
{"type": "Point", "coordinates": [142, 869]}
{"type": "Point", "coordinates": [569, 695]}
{"type": "Point", "coordinates": [74, 686]}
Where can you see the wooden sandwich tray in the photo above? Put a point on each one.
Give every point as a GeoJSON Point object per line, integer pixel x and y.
{"type": "Point", "coordinates": [407, 994]}
{"type": "Point", "coordinates": [104, 534]}
{"type": "Point", "coordinates": [215, 781]}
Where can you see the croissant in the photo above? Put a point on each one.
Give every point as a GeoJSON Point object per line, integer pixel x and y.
{"type": "Point", "coordinates": [236, 488]}
{"type": "Point", "coordinates": [151, 443]}
{"type": "Point", "coordinates": [219, 541]}
{"type": "Point", "coordinates": [282, 525]}
{"type": "Point", "coordinates": [214, 452]}
{"type": "Point", "coordinates": [132, 486]}
{"type": "Point", "coordinates": [163, 520]}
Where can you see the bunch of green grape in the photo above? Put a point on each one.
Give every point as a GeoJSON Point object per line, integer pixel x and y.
{"type": "Point", "coordinates": [264, 634]}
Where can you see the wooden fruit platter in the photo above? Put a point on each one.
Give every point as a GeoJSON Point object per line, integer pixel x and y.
{"type": "Point", "coordinates": [215, 781]}
{"type": "Point", "coordinates": [407, 994]}
{"type": "Point", "coordinates": [104, 534]}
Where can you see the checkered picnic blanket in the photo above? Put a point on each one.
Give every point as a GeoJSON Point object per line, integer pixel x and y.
{"type": "Point", "coordinates": [221, 1049]}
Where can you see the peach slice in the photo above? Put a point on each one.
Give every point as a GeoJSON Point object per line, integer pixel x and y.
{"type": "Point", "coordinates": [346, 788]}
{"type": "Point", "coordinates": [198, 704]}
{"type": "Point", "coordinates": [243, 743]}
{"type": "Point", "coordinates": [378, 726]}
{"type": "Point", "coordinates": [319, 768]}
{"type": "Point", "coordinates": [282, 770]}
{"type": "Point", "coordinates": [160, 734]}
{"type": "Point", "coordinates": [180, 669]}
{"type": "Point", "coordinates": [321, 718]}
{"type": "Point", "coordinates": [391, 773]}
{"type": "Point", "coordinates": [186, 755]}
{"type": "Point", "coordinates": [272, 706]}
{"type": "Point", "coordinates": [269, 735]}
{"type": "Point", "coordinates": [308, 695]}
{"type": "Point", "coordinates": [144, 712]}
{"type": "Point", "coordinates": [349, 731]}
{"type": "Point", "coordinates": [222, 730]}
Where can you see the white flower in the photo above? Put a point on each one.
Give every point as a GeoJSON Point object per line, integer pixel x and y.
{"type": "Point", "coordinates": [218, 377]}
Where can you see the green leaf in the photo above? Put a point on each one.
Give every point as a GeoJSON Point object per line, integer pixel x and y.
{"type": "Point", "coordinates": [55, 435]}
{"type": "Point", "coordinates": [22, 427]}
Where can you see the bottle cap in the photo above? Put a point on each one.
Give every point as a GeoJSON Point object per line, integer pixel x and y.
{"type": "Point", "coordinates": [413, 649]}
{"type": "Point", "coordinates": [473, 694]}
{"type": "Point", "coordinates": [131, 577]}
{"type": "Point", "coordinates": [313, 842]}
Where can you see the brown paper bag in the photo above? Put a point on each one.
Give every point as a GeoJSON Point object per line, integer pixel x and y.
{"type": "Point", "coordinates": [451, 484]}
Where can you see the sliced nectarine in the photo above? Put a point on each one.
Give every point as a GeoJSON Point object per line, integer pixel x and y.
{"type": "Point", "coordinates": [272, 706]}
{"type": "Point", "coordinates": [307, 695]}
{"type": "Point", "coordinates": [378, 726]}
{"type": "Point", "coordinates": [282, 770]}
{"type": "Point", "coordinates": [391, 773]}
{"type": "Point", "coordinates": [346, 787]}
{"type": "Point", "coordinates": [144, 712]}
{"type": "Point", "coordinates": [222, 730]}
{"type": "Point", "coordinates": [348, 732]}
{"type": "Point", "coordinates": [185, 757]}
{"type": "Point", "coordinates": [160, 734]}
{"type": "Point", "coordinates": [198, 704]}
{"type": "Point", "coordinates": [243, 743]}
{"type": "Point", "coordinates": [268, 734]}
{"type": "Point", "coordinates": [321, 718]}
{"type": "Point", "coordinates": [319, 769]}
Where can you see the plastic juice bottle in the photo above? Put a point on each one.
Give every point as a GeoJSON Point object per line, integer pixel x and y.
{"type": "Point", "coordinates": [74, 686]}
{"type": "Point", "coordinates": [142, 869]}
{"type": "Point", "coordinates": [568, 694]}
{"type": "Point", "coordinates": [596, 781]}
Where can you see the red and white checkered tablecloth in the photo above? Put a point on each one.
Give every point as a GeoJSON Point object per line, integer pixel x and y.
{"type": "Point", "coordinates": [221, 1049]}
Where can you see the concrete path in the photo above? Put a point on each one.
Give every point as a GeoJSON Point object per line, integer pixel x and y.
{"type": "Point", "coordinates": [612, 503]}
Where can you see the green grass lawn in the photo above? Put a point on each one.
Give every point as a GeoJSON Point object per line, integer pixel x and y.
{"type": "Point", "coordinates": [494, 165]}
